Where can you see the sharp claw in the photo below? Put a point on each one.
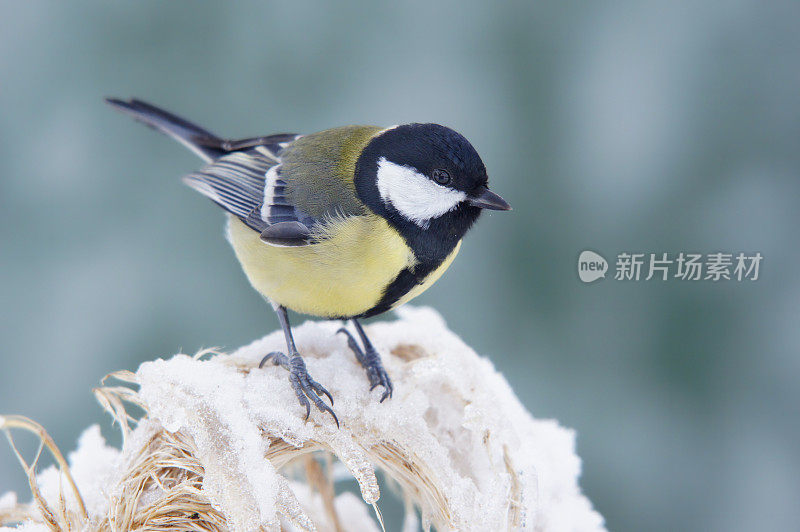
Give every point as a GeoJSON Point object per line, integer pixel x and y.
{"type": "Point", "coordinates": [325, 408]}
{"type": "Point", "coordinates": [372, 363]}
{"type": "Point", "coordinates": [304, 402]}
{"type": "Point", "coordinates": [333, 415]}
{"type": "Point", "coordinates": [348, 334]}
{"type": "Point", "coordinates": [352, 344]}
{"type": "Point", "coordinates": [300, 392]}
{"type": "Point", "coordinates": [320, 390]}
{"type": "Point", "coordinates": [321, 405]}
{"type": "Point", "coordinates": [264, 360]}
{"type": "Point", "coordinates": [306, 388]}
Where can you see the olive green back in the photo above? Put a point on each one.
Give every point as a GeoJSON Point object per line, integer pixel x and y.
{"type": "Point", "coordinates": [319, 168]}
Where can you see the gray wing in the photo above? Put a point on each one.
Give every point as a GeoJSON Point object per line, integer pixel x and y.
{"type": "Point", "coordinates": [236, 176]}
{"type": "Point", "coordinates": [249, 185]}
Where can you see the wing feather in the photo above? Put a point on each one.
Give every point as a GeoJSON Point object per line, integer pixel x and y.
{"type": "Point", "coordinates": [235, 182]}
{"type": "Point", "coordinates": [248, 184]}
{"type": "Point", "coordinates": [284, 186]}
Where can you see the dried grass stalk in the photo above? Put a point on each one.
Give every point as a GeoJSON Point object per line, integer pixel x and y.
{"type": "Point", "coordinates": [221, 445]}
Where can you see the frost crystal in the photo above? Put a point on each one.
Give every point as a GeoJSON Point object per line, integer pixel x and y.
{"type": "Point", "coordinates": [223, 445]}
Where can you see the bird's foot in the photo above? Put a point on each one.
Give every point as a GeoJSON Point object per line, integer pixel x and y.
{"type": "Point", "coordinates": [370, 360]}
{"type": "Point", "coordinates": [304, 386]}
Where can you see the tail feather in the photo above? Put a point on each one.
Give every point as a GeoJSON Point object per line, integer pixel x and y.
{"type": "Point", "coordinates": [202, 142]}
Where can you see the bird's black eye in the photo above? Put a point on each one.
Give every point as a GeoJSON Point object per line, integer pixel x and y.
{"type": "Point", "coordinates": [441, 176]}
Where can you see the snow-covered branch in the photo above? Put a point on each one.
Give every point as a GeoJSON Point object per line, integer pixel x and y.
{"type": "Point", "coordinates": [223, 445]}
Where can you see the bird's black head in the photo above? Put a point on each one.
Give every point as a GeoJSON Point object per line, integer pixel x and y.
{"type": "Point", "coordinates": [428, 182]}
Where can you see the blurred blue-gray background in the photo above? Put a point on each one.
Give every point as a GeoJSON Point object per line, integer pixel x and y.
{"type": "Point", "coordinates": [614, 126]}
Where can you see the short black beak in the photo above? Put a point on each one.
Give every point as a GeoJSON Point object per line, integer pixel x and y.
{"type": "Point", "coordinates": [486, 199]}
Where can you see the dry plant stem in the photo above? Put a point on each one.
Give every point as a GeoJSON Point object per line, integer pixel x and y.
{"type": "Point", "coordinates": [322, 483]}
{"type": "Point", "coordinates": [20, 422]}
{"type": "Point", "coordinates": [515, 511]}
{"type": "Point", "coordinates": [214, 448]}
{"type": "Point", "coordinates": [166, 462]}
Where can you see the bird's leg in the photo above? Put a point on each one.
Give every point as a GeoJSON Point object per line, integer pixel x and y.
{"type": "Point", "coordinates": [370, 359]}
{"type": "Point", "coordinates": [304, 386]}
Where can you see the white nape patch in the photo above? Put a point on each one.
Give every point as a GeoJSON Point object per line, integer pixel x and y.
{"type": "Point", "coordinates": [269, 186]}
{"type": "Point", "coordinates": [415, 196]}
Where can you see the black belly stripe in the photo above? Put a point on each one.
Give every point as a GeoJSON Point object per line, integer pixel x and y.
{"type": "Point", "coordinates": [402, 284]}
{"type": "Point", "coordinates": [430, 246]}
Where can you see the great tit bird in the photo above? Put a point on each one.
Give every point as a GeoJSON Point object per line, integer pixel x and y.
{"type": "Point", "coordinates": [342, 224]}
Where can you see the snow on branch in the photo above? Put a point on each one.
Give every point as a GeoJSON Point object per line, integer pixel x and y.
{"type": "Point", "coordinates": [222, 445]}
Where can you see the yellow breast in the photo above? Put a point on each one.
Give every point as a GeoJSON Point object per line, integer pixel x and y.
{"type": "Point", "coordinates": [342, 275]}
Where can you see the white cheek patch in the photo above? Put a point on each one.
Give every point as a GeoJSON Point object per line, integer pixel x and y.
{"type": "Point", "coordinates": [415, 196]}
